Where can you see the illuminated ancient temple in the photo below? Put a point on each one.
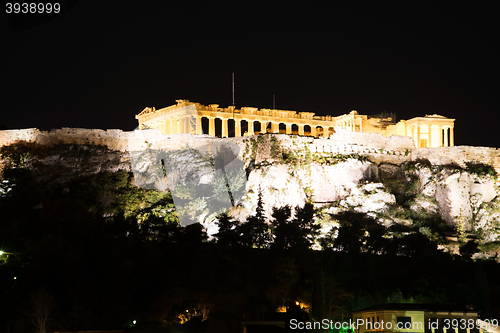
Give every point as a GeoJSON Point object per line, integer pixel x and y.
{"type": "Point", "coordinates": [187, 117]}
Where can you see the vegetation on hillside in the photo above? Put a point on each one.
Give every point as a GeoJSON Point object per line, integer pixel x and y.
{"type": "Point", "coordinates": [101, 253]}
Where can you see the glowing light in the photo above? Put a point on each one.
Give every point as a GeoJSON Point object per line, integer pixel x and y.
{"type": "Point", "coordinates": [133, 322]}
{"type": "Point", "coordinates": [1, 253]}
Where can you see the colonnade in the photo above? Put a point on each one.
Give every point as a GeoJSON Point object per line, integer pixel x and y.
{"type": "Point", "coordinates": [181, 124]}
{"type": "Point", "coordinates": [434, 136]}
{"type": "Point", "coordinates": [351, 124]}
{"type": "Point", "coordinates": [193, 125]}
{"type": "Point", "coordinates": [187, 118]}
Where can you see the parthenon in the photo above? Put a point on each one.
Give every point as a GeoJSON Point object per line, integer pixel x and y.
{"type": "Point", "coordinates": [187, 117]}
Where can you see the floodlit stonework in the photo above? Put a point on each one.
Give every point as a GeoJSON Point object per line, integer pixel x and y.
{"type": "Point", "coordinates": [187, 117]}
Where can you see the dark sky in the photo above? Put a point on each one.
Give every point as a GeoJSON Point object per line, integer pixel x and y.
{"type": "Point", "coordinates": [100, 63]}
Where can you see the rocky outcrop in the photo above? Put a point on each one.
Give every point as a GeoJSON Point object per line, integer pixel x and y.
{"type": "Point", "coordinates": [386, 178]}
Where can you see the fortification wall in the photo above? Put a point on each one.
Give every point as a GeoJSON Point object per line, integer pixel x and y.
{"type": "Point", "coordinates": [460, 155]}
{"type": "Point", "coordinates": [373, 140]}
{"type": "Point", "coordinates": [8, 137]}
{"type": "Point", "coordinates": [392, 149]}
{"type": "Point", "coordinates": [114, 139]}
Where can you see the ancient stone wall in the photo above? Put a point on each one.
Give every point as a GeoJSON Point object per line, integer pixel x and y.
{"type": "Point", "coordinates": [459, 155]}
{"type": "Point", "coordinates": [8, 137]}
{"type": "Point", "coordinates": [114, 139]}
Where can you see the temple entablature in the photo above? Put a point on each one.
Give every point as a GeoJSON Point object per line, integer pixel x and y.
{"type": "Point", "coordinates": [187, 117]}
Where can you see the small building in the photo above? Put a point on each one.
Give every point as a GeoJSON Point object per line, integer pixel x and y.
{"type": "Point", "coordinates": [417, 318]}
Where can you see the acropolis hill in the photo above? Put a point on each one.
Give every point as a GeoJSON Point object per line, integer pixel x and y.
{"type": "Point", "coordinates": [366, 164]}
{"type": "Point", "coordinates": [376, 135]}
{"type": "Point", "coordinates": [430, 136]}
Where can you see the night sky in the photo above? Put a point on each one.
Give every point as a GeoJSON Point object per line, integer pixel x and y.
{"type": "Point", "coordinates": [99, 64]}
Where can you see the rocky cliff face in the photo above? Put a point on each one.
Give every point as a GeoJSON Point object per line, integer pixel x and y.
{"type": "Point", "coordinates": [404, 191]}
{"type": "Point", "coordinates": [364, 182]}
{"type": "Point", "coordinates": [394, 183]}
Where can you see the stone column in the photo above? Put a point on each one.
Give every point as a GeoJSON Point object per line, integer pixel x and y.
{"type": "Point", "coordinates": [263, 127]}
{"type": "Point", "coordinates": [199, 128]}
{"type": "Point", "coordinates": [237, 127]}
{"type": "Point", "coordinates": [432, 136]}
{"type": "Point", "coordinates": [167, 126]}
{"type": "Point", "coordinates": [250, 127]}
{"type": "Point", "coordinates": [275, 128]}
{"type": "Point", "coordinates": [173, 125]}
{"type": "Point", "coordinates": [288, 129]}
{"type": "Point", "coordinates": [325, 131]}
{"type": "Point", "coordinates": [313, 130]}
{"type": "Point", "coordinates": [180, 127]}
{"type": "Point", "coordinates": [186, 124]}
{"type": "Point", "coordinates": [452, 139]}
{"type": "Point", "coordinates": [445, 129]}
{"type": "Point", "coordinates": [418, 136]}
{"type": "Point", "coordinates": [224, 128]}
{"type": "Point", "coordinates": [301, 129]}
{"type": "Point", "coordinates": [211, 126]}
{"type": "Point", "coordinates": [440, 140]}
{"type": "Point", "coordinates": [429, 135]}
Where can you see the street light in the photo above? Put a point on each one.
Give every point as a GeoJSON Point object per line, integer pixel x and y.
{"type": "Point", "coordinates": [4, 252]}
{"type": "Point", "coordinates": [7, 253]}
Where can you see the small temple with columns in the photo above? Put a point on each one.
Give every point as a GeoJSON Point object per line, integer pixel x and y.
{"type": "Point", "coordinates": [187, 117]}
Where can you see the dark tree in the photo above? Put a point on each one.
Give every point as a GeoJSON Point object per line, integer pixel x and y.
{"type": "Point", "coordinates": [229, 233]}
{"type": "Point", "coordinates": [298, 233]}
{"type": "Point", "coordinates": [375, 241]}
{"type": "Point", "coordinates": [416, 244]}
{"type": "Point", "coordinates": [308, 229]}
{"type": "Point", "coordinates": [155, 228]}
{"type": "Point", "coordinates": [483, 290]}
{"type": "Point", "coordinates": [330, 299]}
{"type": "Point", "coordinates": [286, 276]}
{"type": "Point", "coordinates": [469, 249]}
{"type": "Point", "coordinates": [191, 234]}
{"type": "Point", "coordinates": [359, 232]}
{"type": "Point", "coordinates": [284, 231]}
{"type": "Point", "coordinates": [255, 232]}
{"type": "Point", "coordinates": [40, 310]}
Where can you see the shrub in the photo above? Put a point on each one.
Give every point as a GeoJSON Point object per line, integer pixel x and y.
{"type": "Point", "coordinates": [481, 169]}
